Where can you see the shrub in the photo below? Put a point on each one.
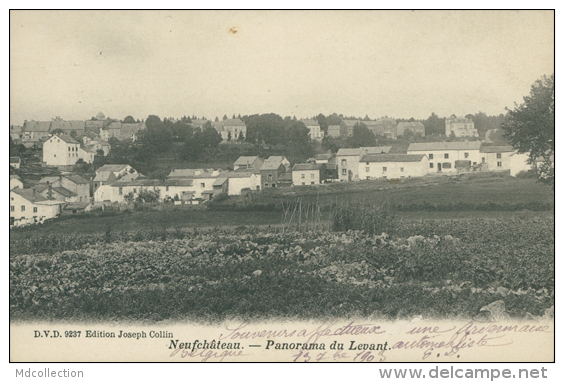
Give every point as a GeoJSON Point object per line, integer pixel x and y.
{"type": "Point", "coordinates": [363, 217]}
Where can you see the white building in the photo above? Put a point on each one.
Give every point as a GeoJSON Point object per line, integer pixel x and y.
{"type": "Point", "coordinates": [393, 166]}
{"type": "Point", "coordinates": [315, 132]}
{"type": "Point", "coordinates": [460, 127]}
{"type": "Point", "coordinates": [61, 150]}
{"type": "Point", "coordinates": [347, 160]}
{"type": "Point", "coordinates": [247, 162]}
{"type": "Point", "coordinates": [28, 207]}
{"type": "Point", "coordinates": [414, 127]}
{"type": "Point", "coordinates": [15, 182]}
{"type": "Point", "coordinates": [240, 180]}
{"type": "Point", "coordinates": [496, 158]}
{"type": "Point", "coordinates": [176, 189]}
{"type": "Point", "coordinates": [72, 182]}
{"type": "Point", "coordinates": [445, 156]}
{"type": "Point", "coordinates": [305, 174]}
{"type": "Point", "coordinates": [519, 162]}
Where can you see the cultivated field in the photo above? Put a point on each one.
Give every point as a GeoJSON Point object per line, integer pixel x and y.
{"type": "Point", "coordinates": [434, 269]}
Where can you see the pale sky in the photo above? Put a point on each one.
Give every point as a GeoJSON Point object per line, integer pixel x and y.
{"type": "Point", "coordinates": [402, 64]}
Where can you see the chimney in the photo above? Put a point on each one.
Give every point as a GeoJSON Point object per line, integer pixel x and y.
{"type": "Point", "coordinates": [60, 181]}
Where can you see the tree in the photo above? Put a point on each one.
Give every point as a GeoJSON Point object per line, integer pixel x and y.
{"type": "Point", "coordinates": [434, 125]}
{"type": "Point", "coordinates": [225, 117]}
{"type": "Point", "coordinates": [128, 119]}
{"type": "Point", "coordinates": [530, 127]}
{"type": "Point", "coordinates": [362, 136]}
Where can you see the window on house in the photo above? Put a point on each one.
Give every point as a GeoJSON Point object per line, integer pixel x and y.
{"type": "Point", "coordinates": [483, 160]}
{"type": "Point", "coordinates": [312, 182]}
{"type": "Point", "coordinates": [447, 165]}
{"type": "Point", "coordinates": [344, 171]}
{"type": "Point", "coordinates": [273, 185]}
{"type": "Point", "coordinates": [466, 155]}
{"type": "Point", "coordinates": [367, 163]}
{"type": "Point", "coordinates": [498, 164]}
{"type": "Point", "coordinates": [202, 185]}
{"type": "Point", "coordinates": [367, 169]}
{"type": "Point", "coordinates": [498, 155]}
{"type": "Point", "coordinates": [269, 176]}
{"type": "Point", "coordinates": [23, 208]}
{"type": "Point", "coordinates": [69, 148]}
{"type": "Point", "coordinates": [303, 176]}
{"type": "Point", "coordinates": [446, 156]}
{"type": "Point", "coordinates": [121, 191]}
{"type": "Point", "coordinates": [430, 156]}
{"type": "Point", "coordinates": [312, 176]}
{"type": "Point", "coordinates": [303, 183]}
{"type": "Point", "coordinates": [384, 169]}
{"type": "Point", "coordinates": [134, 190]}
{"type": "Point", "coordinates": [167, 188]}
{"type": "Point", "coordinates": [430, 165]}
{"type": "Point", "coordinates": [401, 169]}
{"type": "Point", "coordinates": [12, 208]}
{"type": "Point", "coordinates": [34, 209]}
{"type": "Point", "coordinates": [385, 177]}
{"type": "Point", "coordinates": [343, 162]}
{"type": "Point", "coordinates": [266, 185]}
{"type": "Point", "coordinates": [69, 155]}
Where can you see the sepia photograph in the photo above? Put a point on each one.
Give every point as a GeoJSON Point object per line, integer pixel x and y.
{"type": "Point", "coordinates": [282, 186]}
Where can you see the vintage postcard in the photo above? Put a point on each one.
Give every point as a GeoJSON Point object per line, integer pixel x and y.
{"type": "Point", "coordinates": [282, 186]}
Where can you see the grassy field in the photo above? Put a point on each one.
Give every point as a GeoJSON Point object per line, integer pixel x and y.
{"type": "Point", "coordinates": [427, 198]}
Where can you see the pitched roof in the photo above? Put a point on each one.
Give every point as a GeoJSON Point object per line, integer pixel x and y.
{"type": "Point", "coordinates": [393, 158]}
{"type": "Point", "coordinates": [307, 166]}
{"type": "Point", "coordinates": [28, 194]}
{"type": "Point", "coordinates": [431, 146]}
{"type": "Point", "coordinates": [349, 152]}
{"type": "Point", "coordinates": [411, 124]}
{"type": "Point", "coordinates": [192, 173]}
{"type": "Point", "coordinates": [333, 128]}
{"type": "Point", "coordinates": [310, 122]}
{"type": "Point", "coordinates": [66, 138]}
{"type": "Point", "coordinates": [233, 122]}
{"type": "Point", "coordinates": [103, 176]}
{"type": "Point", "coordinates": [76, 206]}
{"type": "Point", "coordinates": [376, 149]}
{"type": "Point", "coordinates": [245, 160]}
{"type": "Point", "coordinates": [239, 174]}
{"type": "Point", "coordinates": [145, 182]}
{"type": "Point", "coordinates": [325, 156]}
{"type": "Point", "coordinates": [496, 149]}
{"type": "Point", "coordinates": [366, 150]}
{"type": "Point", "coordinates": [36, 126]}
{"type": "Point", "coordinates": [112, 167]}
{"type": "Point", "coordinates": [350, 122]}
{"type": "Point", "coordinates": [63, 191]}
{"type": "Point", "coordinates": [219, 181]}
{"type": "Point", "coordinates": [273, 162]}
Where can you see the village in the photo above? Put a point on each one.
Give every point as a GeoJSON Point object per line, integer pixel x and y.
{"type": "Point", "coordinates": [64, 144]}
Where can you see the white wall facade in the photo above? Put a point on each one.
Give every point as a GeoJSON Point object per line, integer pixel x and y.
{"type": "Point", "coordinates": [305, 177]}
{"type": "Point", "coordinates": [393, 170]}
{"type": "Point", "coordinates": [57, 152]}
{"type": "Point", "coordinates": [348, 170]}
{"type": "Point", "coordinates": [436, 157]}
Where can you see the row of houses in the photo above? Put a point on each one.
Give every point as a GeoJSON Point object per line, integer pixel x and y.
{"type": "Point", "coordinates": [428, 158]}
{"type": "Point", "coordinates": [52, 196]}
{"type": "Point", "coordinates": [390, 129]}
{"type": "Point", "coordinates": [36, 132]}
